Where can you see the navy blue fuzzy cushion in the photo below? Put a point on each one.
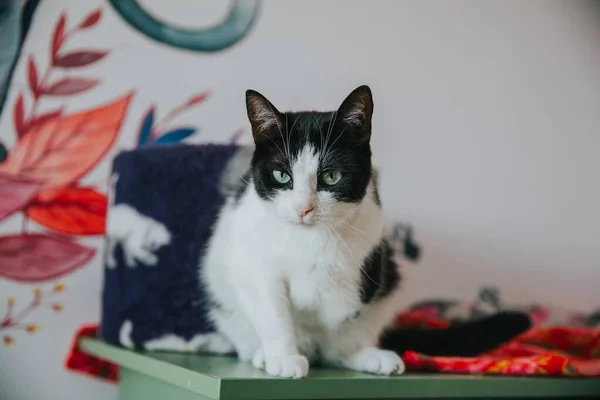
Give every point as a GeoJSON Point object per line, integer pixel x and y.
{"type": "Point", "coordinates": [179, 187]}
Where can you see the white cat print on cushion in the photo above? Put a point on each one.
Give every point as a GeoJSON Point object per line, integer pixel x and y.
{"type": "Point", "coordinates": [140, 236]}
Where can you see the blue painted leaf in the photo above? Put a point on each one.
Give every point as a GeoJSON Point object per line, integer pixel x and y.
{"type": "Point", "coordinates": [146, 127]}
{"type": "Point", "coordinates": [175, 136]}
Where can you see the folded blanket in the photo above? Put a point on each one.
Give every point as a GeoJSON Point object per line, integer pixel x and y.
{"type": "Point", "coordinates": [569, 350]}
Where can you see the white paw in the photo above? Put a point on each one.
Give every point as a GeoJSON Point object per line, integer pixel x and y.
{"type": "Point", "coordinates": [258, 361]}
{"type": "Point", "coordinates": [292, 366]}
{"type": "Point", "coordinates": [376, 361]}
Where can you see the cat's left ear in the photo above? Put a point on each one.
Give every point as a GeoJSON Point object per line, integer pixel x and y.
{"type": "Point", "coordinates": [264, 117]}
{"type": "Point", "coordinates": [356, 112]}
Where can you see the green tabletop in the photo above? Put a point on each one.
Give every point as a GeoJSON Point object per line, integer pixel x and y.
{"type": "Point", "coordinates": [227, 378]}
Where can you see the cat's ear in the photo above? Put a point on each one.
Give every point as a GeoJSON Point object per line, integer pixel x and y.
{"type": "Point", "coordinates": [356, 112]}
{"type": "Point", "coordinates": [264, 117]}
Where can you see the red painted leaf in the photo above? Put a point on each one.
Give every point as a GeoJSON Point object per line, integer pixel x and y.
{"type": "Point", "coordinates": [42, 119]}
{"type": "Point", "coordinates": [72, 210]}
{"type": "Point", "coordinates": [33, 76]}
{"type": "Point", "coordinates": [198, 99]}
{"type": "Point", "coordinates": [38, 257]}
{"type": "Point", "coordinates": [58, 36]}
{"type": "Point", "coordinates": [19, 115]}
{"type": "Point", "coordinates": [69, 86]}
{"type": "Point", "coordinates": [15, 195]}
{"type": "Point", "coordinates": [79, 58]}
{"type": "Point", "coordinates": [63, 149]}
{"type": "Point", "coordinates": [91, 20]}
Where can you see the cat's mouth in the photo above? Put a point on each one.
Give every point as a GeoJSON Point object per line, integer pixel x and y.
{"type": "Point", "coordinates": [307, 223]}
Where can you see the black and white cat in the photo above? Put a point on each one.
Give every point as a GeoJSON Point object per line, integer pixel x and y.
{"type": "Point", "coordinates": [297, 266]}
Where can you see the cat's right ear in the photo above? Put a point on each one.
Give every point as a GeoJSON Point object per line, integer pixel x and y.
{"type": "Point", "coordinates": [264, 117]}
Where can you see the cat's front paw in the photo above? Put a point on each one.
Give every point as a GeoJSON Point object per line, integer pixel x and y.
{"type": "Point", "coordinates": [376, 361]}
{"type": "Point", "coordinates": [292, 366]}
{"type": "Point", "coordinates": [258, 361]}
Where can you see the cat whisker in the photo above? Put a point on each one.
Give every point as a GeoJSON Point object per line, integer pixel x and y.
{"type": "Point", "coordinates": [320, 130]}
{"type": "Point", "coordinates": [291, 130]}
{"type": "Point", "coordinates": [287, 136]}
{"type": "Point", "coordinates": [336, 139]}
{"type": "Point", "coordinates": [356, 233]}
{"type": "Point", "coordinates": [276, 145]}
{"type": "Point", "coordinates": [351, 229]}
{"type": "Point", "coordinates": [354, 258]}
{"type": "Point", "coordinates": [331, 126]}
{"type": "Point", "coordinates": [243, 179]}
{"type": "Point", "coordinates": [285, 147]}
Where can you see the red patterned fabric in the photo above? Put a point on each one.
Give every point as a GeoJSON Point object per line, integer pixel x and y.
{"type": "Point", "coordinates": [544, 351]}
{"type": "Point", "coordinates": [83, 363]}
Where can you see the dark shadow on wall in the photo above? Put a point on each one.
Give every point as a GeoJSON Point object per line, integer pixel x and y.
{"type": "Point", "coordinates": [15, 20]}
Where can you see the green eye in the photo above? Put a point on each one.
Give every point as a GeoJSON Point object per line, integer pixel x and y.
{"type": "Point", "coordinates": [331, 177]}
{"type": "Point", "coordinates": [281, 177]}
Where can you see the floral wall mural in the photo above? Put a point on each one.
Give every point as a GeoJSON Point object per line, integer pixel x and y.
{"type": "Point", "coordinates": [56, 155]}
{"type": "Point", "coordinates": [40, 177]}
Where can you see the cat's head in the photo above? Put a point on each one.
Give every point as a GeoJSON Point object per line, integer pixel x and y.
{"type": "Point", "coordinates": [312, 167]}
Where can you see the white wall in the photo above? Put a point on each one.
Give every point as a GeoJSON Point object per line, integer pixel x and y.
{"type": "Point", "coordinates": [487, 130]}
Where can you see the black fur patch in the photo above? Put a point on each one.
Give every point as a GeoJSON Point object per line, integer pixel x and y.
{"type": "Point", "coordinates": [376, 197]}
{"type": "Point", "coordinates": [380, 273]}
{"type": "Point", "coordinates": [466, 339]}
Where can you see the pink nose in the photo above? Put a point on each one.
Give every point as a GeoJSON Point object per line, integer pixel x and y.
{"type": "Point", "coordinates": [304, 212]}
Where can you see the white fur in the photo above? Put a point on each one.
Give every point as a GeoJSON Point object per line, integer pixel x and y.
{"type": "Point", "coordinates": [355, 116]}
{"type": "Point", "coordinates": [125, 334]}
{"type": "Point", "coordinates": [290, 286]}
{"type": "Point", "coordinates": [139, 235]}
{"type": "Point", "coordinates": [213, 342]}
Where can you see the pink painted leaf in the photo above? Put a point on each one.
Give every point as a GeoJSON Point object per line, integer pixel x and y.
{"type": "Point", "coordinates": [39, 257]}
{"type": "Point", "coordinates": [58, 36]}
{"type": "Point", "coordinates": [92, 19]}
{"type": "Point", "coordinates": [198, 99]}
{"type": "Point", "coordinates": [19, 115]}
{"type": "Point", "coordinates": [15, 195]}
{"type": "Point", "coordinates": [33, 76]}
{"type": "Point", "coordinates": [62, 149]}
{"type": "Point", "coordinates": [79, 58]}
{"type": "Point", "coordinates": [69, 86]}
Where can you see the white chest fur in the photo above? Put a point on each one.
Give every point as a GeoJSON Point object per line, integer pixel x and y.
{"type": "Point", "coordinates": [321, 266]}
